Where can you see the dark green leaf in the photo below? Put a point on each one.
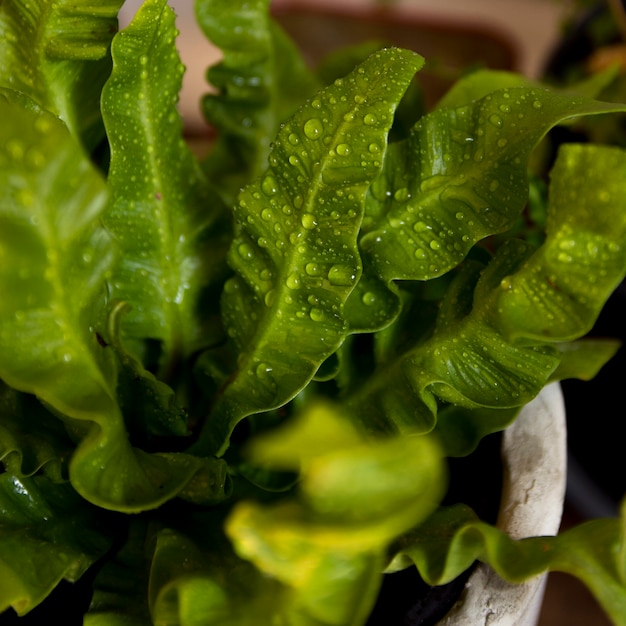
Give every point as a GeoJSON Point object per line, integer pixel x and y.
{"type": "Point", "coordinates": [47, 533]}
{"type": "Point", "coordinates": [30, 438]}
{"type": "Point", "coordinates": [120, 595]}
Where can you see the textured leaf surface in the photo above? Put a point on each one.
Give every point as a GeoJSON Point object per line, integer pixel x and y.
{"type": "Point", "coordinates": [466, 360]}
{"type": "Point", "coordinates": [47, 533]}
{"type": "Point", "coordinates": [459, 177]}
{"type": "Point", "coordinates": [260, 82]}
{"type": "Point", "coordinates": [560, 291]}
{"type": "Point", "coordinates": [295, 254]}
{"type": "Point", "coordinates": [120, 595]}
{"type": "Point", "coordinates": [55, 263]}
{"type": "Point", "coordinates": [448, 543]}
{"type": "Point", "coordinates": [58, 54]}
{"type": "Point", "coordinates": [162, 208]}
{"type": "Point", "coordinates": [495, 340]}
{"type": "Point", "coordinates": [30, 438]}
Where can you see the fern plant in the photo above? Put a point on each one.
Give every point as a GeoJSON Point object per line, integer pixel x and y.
{"type": "Point", "coordinates": [229, 387]}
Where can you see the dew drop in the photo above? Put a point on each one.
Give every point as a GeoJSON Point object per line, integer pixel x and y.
{"type": "Point", "coordinates": [43, 125]}
{"type": "Point", "coordinates": [270, 297]}
{"type": "Point", "coordinates": [293, 281]}
{"type": "Point", "coordinates": [263, 369]}
{"type": "Point", "coordinates": [343, 149]}
{"type": "Point", "coordinates": [294, 140]}
{"type": "Point", "coordinates": [316, 314]}
{"type": "Point", "coordinates": [435, 245]}
{"type": "Point", "coordinates": [369, 119]}
{"type": "Point", "coordinates": [401, 195]}
{"type": "Point", "coordinates": [313, 128]}
{"type": "Point", "coordinates": [341, 275]}
{"type": "Point", "coordinates": [309, 221]}
{"type": "Point", "coordinates": [15, 149]}
{"type": "Point", "coordinates": [368, 298]}
{"type": "Point", "coordinates": [269, 186]}
{"type": "Point", "coordinates": [313, 269]}
{"type": "Point", "coordinates": [496, 120]}
{"type": "Point", "coordinates": [245, 251]}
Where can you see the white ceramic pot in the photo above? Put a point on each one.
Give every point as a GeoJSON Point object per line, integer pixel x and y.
{"type": "Point", "coordinates": [534, 455]}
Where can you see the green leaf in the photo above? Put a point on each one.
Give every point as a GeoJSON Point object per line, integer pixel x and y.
{"type": "Point", "coordinates": [452, 539]}
{"type": "Point", "coordinates": [163, 214]}
{"type": "Point", "coordinates": [466, 360]}
{"type": "Point", "coordinates": [460, 429]}
{"type": "Point", "coordinates": [561, 289]}
{"type": "Point", "coordinates": [151, 408]}
{"type": "Point", "coordinates": [481, 83]}
{"type": "Point", "coordinates": [53, 272]}
{"type": "Point", "coordinates": [58, 54]}
{"type": "Point", "coordinates": [260, 82]}
{"type": "Point", "coordinates": [584, 358]}
{"type": "Point", "coordinates": [460, 177]}
{"type": "Point", "coordinates": [327, 542]}
{"type": "Point", "coordinates": [120, 596]}
{"type": "Point", "coordinates": [30, 438]}
{"type": "Point", "coordinates": [295, 253]}
{"type": "Point", "coordinates": [47, 533]}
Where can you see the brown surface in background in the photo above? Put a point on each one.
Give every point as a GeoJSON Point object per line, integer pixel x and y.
{"type": "Point", "coordinates": [567, 601]}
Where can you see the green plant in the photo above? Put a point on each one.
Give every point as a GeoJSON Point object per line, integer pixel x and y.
{"type": "Point", "coordinates": [230, 387]}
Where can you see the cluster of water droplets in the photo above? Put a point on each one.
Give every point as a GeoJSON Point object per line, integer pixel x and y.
{"type": "Point", "coordinates": [302, 218]}
{"type": "Point", "coordinates": [296, 255]}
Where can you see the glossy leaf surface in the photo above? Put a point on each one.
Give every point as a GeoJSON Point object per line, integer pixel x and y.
{"type": "Point", "coordinates": [58, 54]}
{"type": "Point", "coordinates": [162, 208]}
{"type": "Point", "coordinates": [460, 177]}
{"type": "Point", "coordinates": [31, 439]}
{"type": "Point", "coordinates": [560, 291]}
{"type": "Point", "coordinates": [56, 265]}
{"type": "Point", "coordinates": [260, 81]}
{"type": "Point", "coordinates": [47, 533]}
{"type": "Point", "coordinates": [295, 253]}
